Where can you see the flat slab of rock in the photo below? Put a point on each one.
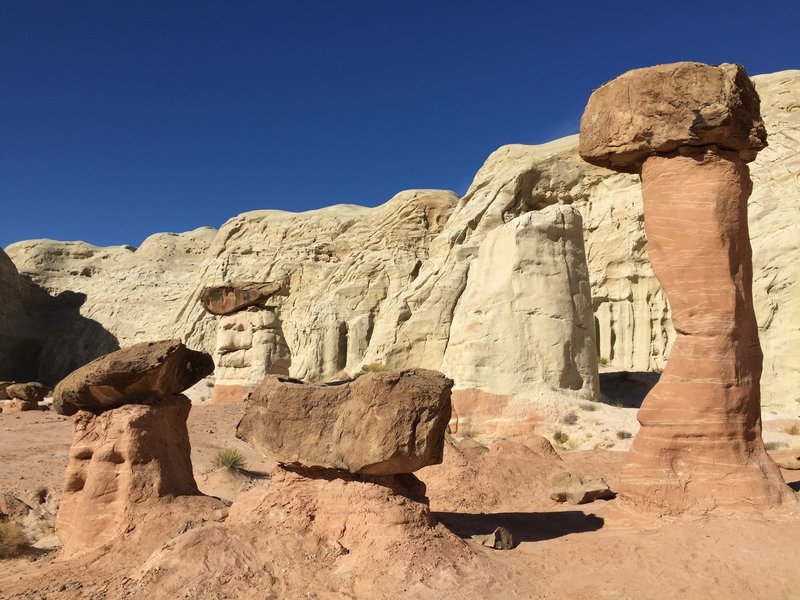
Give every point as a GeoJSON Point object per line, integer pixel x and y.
{"type": "Point", "coordinates": [29, 392]}
{"type": "Point", "coordinates": [579, 489]}
{"type": "Point", "coordinates": [659, 109]}
{"type": "Point", "coordinates": [233, 297]}
{"type": "Point", "coordinates": [383, 423]}
{"type": "Point", "coordinates": [141, 374]}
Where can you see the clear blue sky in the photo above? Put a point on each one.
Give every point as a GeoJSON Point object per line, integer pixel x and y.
{"type": "Point", "coordinates": [119, 119]}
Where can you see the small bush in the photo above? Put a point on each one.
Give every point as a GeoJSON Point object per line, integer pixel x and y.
{"type": "Point", "coordinates": [559, 437]}
{"type": "Point", "coordinates": [12, 539]}
{"type": "Point", "coordinates": [372, 368]}
{"type": "Point", "coordinates": [602, 361]}
{"type": "Point", "coordinates": [573, 444]}
{"type": "Point", "coordinates": [229, 458]}
{"type": "Point", "coordinates": [775, 445]}
{"type": "Point", "coordinates": [588, 407]}
{"type": "Point", "coordinates": [570, 418]}
{"type": "Point", "coordinates": [792, 430]}
{"type": "Point", "coordinates": [624, 435]}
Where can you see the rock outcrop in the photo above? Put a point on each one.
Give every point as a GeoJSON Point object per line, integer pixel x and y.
{"type": "Point", "coordinates": [528, 284]}
{"type": "Point", "coordinates": [141, 374]}
{"type": "Point", "coordinates": [700, 443]}
{"type": "Point", "coordinates": [121, 462]}
{"type": "Point", "coordinates": [384, 284]}
{"type": "Point", "coordinates": [378, 424]}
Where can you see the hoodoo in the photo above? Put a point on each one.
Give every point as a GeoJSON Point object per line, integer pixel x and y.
{"type": "Point", "coordinates": [690, 129]}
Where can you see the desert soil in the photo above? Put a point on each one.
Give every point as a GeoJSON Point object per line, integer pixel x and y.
{"type": "Point", "coordinates": [591, 551]}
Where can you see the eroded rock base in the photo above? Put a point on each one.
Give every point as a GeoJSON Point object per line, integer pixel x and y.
{"type": "Point", "coordinates": [700, 444]}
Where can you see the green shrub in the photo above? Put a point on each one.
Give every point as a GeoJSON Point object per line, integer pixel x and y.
{"type": "Point", "coordinates": [559, 437]}
{"type": "Point", "coordinates": [602, 361]}
{"type": "Point", "coordinates": [12, 539]}
{"type": "Point", "coordinates": [229, 458]}
{"type": "Point", "coordinates": [775, 445]}
{"type": "Point", "coordinates": [624, 435]}
{"type": "Point", "coordinates": [372, 368]}
{"type": "Point", "coordinates": [588, 407]}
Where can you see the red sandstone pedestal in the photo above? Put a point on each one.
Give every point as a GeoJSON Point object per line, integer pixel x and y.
{"type": "Point", "coordinates": [700, 444]}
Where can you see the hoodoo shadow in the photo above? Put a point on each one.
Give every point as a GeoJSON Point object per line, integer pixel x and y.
{"type": "Point", "coordinates": [627, 389]}
{"type": "Point", "coordinates": [524, 526]}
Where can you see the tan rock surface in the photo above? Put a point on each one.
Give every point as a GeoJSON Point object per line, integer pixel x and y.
{"type": "Point", "coordinates": [250, 345]}
{"type": "Point", "coordinates": [141, 374]}
{"type": "Point", "coordinates": [379, 424]}
{"type": "Point", "coordinates": [528, 284]}
{"type": "Point", "coordinates": [659, 109]}
{"type": "Point", "coordinates": [120, 461]}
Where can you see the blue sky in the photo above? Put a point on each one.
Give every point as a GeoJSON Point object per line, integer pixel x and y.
{"type": "Point", "coordinates": [119, 119]}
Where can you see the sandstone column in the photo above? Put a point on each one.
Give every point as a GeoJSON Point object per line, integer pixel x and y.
{"type": "Point", "coordinates": [689, 130]}
{"type": "Point", "coordinates": [250, 342]}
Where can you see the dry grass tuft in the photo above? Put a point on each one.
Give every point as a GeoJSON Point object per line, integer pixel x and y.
{"type": "Point", "coordinates": [12, 539]}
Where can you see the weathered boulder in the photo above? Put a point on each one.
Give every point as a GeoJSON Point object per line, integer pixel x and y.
{"type": "Point", "coordinates": [383, 423]}
{"type": "Point", "coordinates": [120, 462]}
{"type": "Point", "coordinates": [232, 297]}
{"type": "Point", "coordinates": [500, 539]}
{"type": "Point", "coordinates": [29, 392]}
{"type": "Point", "coordinates": [141, 374]}
{"type": "Point", "coordinates": [700, 442]}
{"type": "Point", "coordinates": [578, 489]}
{"type": "Point", "coordinates": [3, 387]}
{"type": "Point", "coordinates": [659, 109]}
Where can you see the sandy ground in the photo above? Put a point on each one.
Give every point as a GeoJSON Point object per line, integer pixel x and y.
{"type": "Point", "coordinates": [578, 552]}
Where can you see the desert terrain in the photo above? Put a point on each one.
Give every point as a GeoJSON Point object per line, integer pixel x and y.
{"type": "Point", "coordinates": [578, 380]}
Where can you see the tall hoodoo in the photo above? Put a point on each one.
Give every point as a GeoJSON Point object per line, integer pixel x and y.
{"type": "Point", "coordinates": [689, 129]}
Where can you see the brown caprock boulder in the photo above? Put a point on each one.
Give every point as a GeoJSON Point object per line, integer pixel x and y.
{"type": "Point", "coordinates": [29, 392]}
{"type": "Point", "coordinates": [382, 423]}
{"type": "Point", "coordinates": [140, 374]}
{"type": "Point", "coordinates": [689, 130]}
{"type": "Point", "coordinates": [232, 297]}
{"type": "Point", "coordinates": [121, 461]}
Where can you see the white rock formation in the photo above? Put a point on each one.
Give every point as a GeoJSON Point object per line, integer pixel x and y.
{"type": "Point", "coordinates": [391, 284]}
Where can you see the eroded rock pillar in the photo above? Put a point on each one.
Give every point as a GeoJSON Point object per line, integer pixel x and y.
{"type": "Point", "coordinates": [700, 443]}
{"type": "Point", "coordinates": [689, 130]}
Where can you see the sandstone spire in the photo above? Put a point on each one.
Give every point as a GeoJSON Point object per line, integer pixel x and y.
{"type": "Point", "coordinates": [689, 129]}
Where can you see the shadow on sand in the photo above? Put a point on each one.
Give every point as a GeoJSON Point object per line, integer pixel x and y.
{"type": "Point", "coordinates": [524, 526]}
{"type": "Point", "coordinates": [627, 389]}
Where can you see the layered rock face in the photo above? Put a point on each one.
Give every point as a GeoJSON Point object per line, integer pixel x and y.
{"type": "Point", "coordinates": [384, 284]}
{"type": "Point", "coordinates": [700, 443]}
{"type": "Point", "coordinates": [378, 424]}
{"type": "Point", "coordinates": [120, 461]}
